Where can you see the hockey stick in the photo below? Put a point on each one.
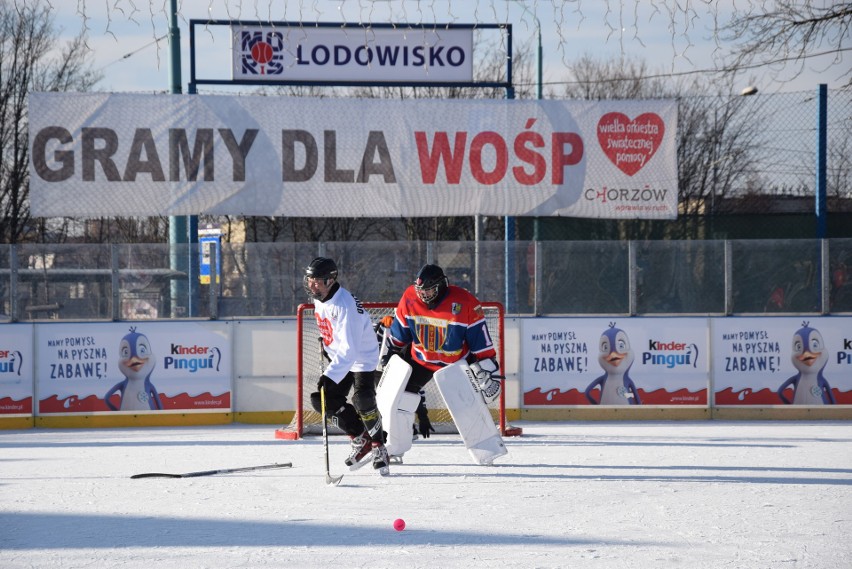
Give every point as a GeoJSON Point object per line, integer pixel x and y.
{"type": "Point", "coordinates": [329, 479]}
{"type": "Point", "coordinates": [212, 472]}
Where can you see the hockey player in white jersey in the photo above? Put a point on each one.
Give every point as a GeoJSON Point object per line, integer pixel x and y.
{"type": "Point", "coordinates": [349, 344]}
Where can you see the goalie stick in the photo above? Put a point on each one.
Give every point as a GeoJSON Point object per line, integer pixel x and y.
{"type": "Point", "coordinates": [329, 479]}
{"type": "Point", "coordinates": [212, 472]}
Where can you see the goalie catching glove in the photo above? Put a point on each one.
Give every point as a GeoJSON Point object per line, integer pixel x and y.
{"type": "Point", "coordinates": [485, 372]}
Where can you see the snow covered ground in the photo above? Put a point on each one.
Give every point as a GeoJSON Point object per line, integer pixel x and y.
{"type": "Point", "coordinates": [613, 494]}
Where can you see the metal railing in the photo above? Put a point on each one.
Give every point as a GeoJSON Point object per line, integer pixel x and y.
{"type": "Point", "coordinates": [583, 278]}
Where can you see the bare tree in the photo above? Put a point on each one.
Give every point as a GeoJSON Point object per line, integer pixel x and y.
{"type": "Point", "coordinates": [594, 79]}
{"type": "Point", "coordinates": [27, 42]}
{"type": "Point", "coordinates": [839, 177]}
{"type": "Point", "coordinates": [791, 31]}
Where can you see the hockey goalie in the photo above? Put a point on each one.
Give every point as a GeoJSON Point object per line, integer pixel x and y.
{"type": "Point", "coordinates": [439, 332]}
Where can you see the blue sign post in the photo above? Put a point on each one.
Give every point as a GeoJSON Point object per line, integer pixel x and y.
{"type": "Point", "coordinates": [205, 237]}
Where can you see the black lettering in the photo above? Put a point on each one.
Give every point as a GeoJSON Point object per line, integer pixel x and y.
{"type": "Point", "coordinates": [63, 157]}
{"type": "Point", "coordinates": [332, 174]}
{"type": "Point", "coordinates": [289, 171]}
{"type": "Point", "coordinates": [376, 144]}
{"type": "Point", "coordinates": [91, 153]}
{"type": "Point", "coordinates": [179, 152]}
{"type": "Point", "coordinates": [143, 139]}
{"type": "Point", "coordinates": [238, 151]}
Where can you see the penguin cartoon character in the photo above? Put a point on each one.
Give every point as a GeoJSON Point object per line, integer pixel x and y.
{"type": "Point", "coordinates": [136, 362]}
{"type": "Point", "coordinates": [615, 358]}
{"type": "Point", "coordinates": [810, 358]}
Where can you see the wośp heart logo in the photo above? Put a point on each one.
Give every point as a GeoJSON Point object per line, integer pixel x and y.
{"type": "Point", "coordinates": [630, 144]}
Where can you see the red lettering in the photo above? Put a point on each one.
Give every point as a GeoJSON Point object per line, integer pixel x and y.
{"type": "Point", "coordinates": [502, 158]}
{"type": "Point", "coordinates": [524, 154]}
{"type": "Point", "coordinates": [430, 160]}
{"type": "Point", "coordinates": [558, 156]}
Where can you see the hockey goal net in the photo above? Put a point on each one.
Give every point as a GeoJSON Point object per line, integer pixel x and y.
{"type": "Point", "coordinates": [306, 421]}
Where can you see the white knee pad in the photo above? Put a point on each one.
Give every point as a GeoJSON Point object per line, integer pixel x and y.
{"type": "Point", "coordinates": [396, 405]}
{"type": "Point", "coordinates": [459, 388]}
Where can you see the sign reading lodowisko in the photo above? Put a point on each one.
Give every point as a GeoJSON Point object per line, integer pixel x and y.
{"type": "Point", "coordinates": [119, 154]}
{"type": "Point", "coordinates": [340, 54]}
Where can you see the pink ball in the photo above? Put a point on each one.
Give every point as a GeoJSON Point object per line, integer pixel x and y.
{"type": "Point", "coordinates": [399, 524]}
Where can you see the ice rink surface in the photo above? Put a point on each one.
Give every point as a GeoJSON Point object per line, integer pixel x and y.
{"type": "Point", "coordinates": [570, 494]}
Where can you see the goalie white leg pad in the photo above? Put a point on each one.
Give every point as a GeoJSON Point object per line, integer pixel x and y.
{"type": "Point", "coordinates": [396, 405]}
{"type": "Point", "coordinates": [470, 413]}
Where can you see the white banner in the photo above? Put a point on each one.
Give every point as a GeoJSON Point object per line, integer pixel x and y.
{"type": "Point", "coordinates": [340, 55]}
{"type": "Point", "coordinates": [16, 369]}
{"type": "Point", "coordinates": [138, 367]}
{"type": "Point", "coordinates": [782, 360]}
{"type": "Point", "coordinates": [106, 154]}
{"type": "Point", "coordinates": [629, 361]}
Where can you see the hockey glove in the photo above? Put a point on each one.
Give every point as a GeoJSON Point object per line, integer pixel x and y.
{"type": "Point", "coordinates": [423, 418]}
{"type": "Point", "coordinates": [392, 351]}
{"type": "Point", "coordinates": [489, 382]}
{"type": "Point", "coordinates": [326, 381]}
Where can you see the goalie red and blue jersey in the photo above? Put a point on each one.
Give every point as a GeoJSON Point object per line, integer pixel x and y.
{"type": "Point", "coordinates": [440, 336]}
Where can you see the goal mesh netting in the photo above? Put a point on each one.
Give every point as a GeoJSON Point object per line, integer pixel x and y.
{"type": "Point", "coordinates": [306, 421]}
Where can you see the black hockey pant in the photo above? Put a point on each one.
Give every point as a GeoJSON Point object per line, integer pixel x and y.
{"type": "Point", "coordinates": [360, 415]}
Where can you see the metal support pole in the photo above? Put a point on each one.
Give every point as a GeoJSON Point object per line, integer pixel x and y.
{"type": "Point", "coordinates": [178, 226]}
{"type": "Point", "coordinates": [825, 277]}
{"type": "Point", "coordinates": [539, 95]}
{"type": "Point", "coordinates": [116, 283]}
{"type": "Point", "coordinates": [508, 221]}
{"type": "Point", "coordinates": [477, 252]}
{"type": "Point", "coordinates": [13, 283]}
{"type": "Point", "coordinates": [821, 161]}
{"type": "Point", "coordinates": [509, 251]}
{"type": "Point", "coordinates": [213, 288]}
{"type": "Point", "coordinates": [631, 278]}
{"type": "Point", "coordinates": [538, 279]}
{"type": "Point", "coordinates": [729, 280]}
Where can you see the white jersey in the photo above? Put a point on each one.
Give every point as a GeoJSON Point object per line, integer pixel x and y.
{"type": "Point", "coordinates": [347, 335]}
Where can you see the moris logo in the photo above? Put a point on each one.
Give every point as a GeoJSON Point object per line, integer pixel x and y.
{"type": "Point", "coordinates": [261, 53]}
{"type": "Point", "coordinates": [10, 362]}
{"type": "Point", "coordinates": [670, 354]}
{"type": "Point", "coordinates": [192, 358]}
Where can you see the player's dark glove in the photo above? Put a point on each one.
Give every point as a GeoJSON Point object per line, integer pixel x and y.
{"type": "Point", "coordinates": [324, 381]}
{"type": "Point", "coordinates": [391, 351]}
{"type": "Point", "coordinates": [316, 399]}
{"type": "Point", "coordinates": [423, 418]}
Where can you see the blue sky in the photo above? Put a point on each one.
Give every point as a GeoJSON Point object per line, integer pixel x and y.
{"type": "Point", "coordinates": [122, 37]}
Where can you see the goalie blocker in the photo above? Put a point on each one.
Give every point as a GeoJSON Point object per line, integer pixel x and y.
{"type": "Point", "coordinates": [459, 388]}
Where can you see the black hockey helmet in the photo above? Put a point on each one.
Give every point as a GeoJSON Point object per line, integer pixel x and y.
{"type": "Point", "coordinates": [431, 283]}
{"type": "Point", "coordinates": [321, 268]}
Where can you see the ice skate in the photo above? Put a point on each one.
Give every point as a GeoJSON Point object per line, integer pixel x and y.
{"type": "Point", "coordinates": [381, 460]}
{"type": "Point", "coordinates": [360, 452]}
